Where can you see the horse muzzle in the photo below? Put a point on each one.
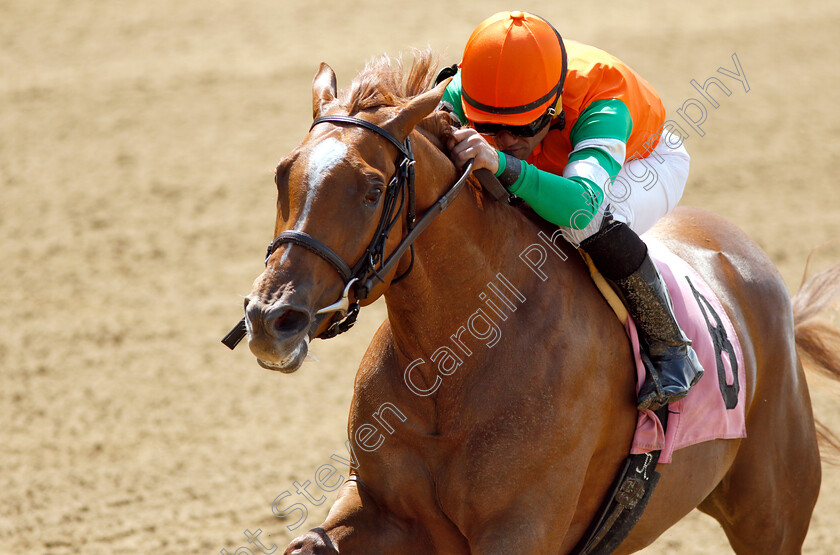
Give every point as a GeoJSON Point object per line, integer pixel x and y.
{"type": "Point", "coordinates": [278, 334]}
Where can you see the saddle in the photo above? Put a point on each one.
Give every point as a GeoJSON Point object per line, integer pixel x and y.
{"type": "Point", "coordinates": [712, 410]}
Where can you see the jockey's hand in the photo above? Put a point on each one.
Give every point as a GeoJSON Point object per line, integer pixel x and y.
{"type": "Point", "coordinates": [466, 143]}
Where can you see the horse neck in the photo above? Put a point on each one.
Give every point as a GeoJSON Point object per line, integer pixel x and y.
{"type": "Point", "coordinates": [468, 266]}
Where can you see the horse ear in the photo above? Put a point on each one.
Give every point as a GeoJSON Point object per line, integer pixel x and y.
{"type": "Point", "coordinates": [416, 110]}
{"type": "Point", "coordinates": [323, 89]}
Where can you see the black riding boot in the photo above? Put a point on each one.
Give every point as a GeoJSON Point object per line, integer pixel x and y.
{"type": "Point", "coordinates": [672, 369]}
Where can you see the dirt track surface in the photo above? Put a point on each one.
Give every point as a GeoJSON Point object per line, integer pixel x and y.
{"type": "Point", "coordinates": [137, 143]}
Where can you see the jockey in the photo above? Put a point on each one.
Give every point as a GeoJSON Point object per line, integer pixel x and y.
{"type": "Point", "coordinates": [562, 125]}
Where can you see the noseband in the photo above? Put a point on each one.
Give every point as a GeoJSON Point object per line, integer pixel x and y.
{"type": "Point", "coordinates": [362, 276]}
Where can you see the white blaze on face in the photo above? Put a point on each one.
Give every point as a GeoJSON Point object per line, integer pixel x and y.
{"type": "Point", "coordinates": [324, 158]}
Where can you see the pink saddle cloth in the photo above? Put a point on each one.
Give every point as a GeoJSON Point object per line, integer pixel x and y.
{"type": "Point", "coordinates": [714, 408]}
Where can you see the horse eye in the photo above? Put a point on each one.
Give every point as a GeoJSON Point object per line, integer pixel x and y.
{"type": "Point", "coordinates": [372, 196]}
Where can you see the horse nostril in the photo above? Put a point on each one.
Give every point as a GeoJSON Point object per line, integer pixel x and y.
{"type": "Point", "coordinates": [277, 319]}
{"type": "Point", "coordinates": [288, 321]}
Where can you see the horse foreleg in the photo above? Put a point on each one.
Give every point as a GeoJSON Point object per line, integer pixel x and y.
{"type": "Point", "coordinates": [356, 524]}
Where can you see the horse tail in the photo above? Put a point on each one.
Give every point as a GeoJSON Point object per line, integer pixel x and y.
{"type": "Point", "coordinates": [818, 341]}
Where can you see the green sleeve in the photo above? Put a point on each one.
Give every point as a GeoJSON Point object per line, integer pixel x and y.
{"type": "Point", "coordinates": [452, 96]}
{"type": "Point", "coordinates": [566, 202]}
{"type": "Point", "coordinates": [600, 135]}
{"type": "Point", "coordinates": [603, 119]}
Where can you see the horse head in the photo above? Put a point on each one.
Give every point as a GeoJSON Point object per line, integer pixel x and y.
{"type": "Point", "coordinates": [343, 204]}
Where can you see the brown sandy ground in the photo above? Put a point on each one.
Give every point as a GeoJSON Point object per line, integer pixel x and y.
{"type": "Point", "coordinates": [137, 142]}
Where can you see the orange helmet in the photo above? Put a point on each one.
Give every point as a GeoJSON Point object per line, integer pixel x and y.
{"type": "Point", "coordinates": [513, 69]}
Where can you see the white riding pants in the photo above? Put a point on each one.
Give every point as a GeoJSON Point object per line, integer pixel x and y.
{"type": "Point", "coordinates": [644, 191]}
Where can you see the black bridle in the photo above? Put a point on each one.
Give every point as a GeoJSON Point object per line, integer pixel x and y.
{"type": "Point", "coordinates": [363, 275]}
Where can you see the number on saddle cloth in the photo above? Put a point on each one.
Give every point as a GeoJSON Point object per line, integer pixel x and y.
{"type": "Point", "coordinates": [722, 344]}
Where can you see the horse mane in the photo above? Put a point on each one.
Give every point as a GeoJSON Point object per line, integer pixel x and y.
{"type": "Point", "coordinates": [382, 82]}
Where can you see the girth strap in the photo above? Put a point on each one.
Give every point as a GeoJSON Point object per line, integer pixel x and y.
{"type": "Point", "coordinates": [625, 503]}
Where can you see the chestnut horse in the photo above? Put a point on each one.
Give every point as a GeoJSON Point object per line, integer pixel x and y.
{"type": "Point", "coordinates": [501, 430]}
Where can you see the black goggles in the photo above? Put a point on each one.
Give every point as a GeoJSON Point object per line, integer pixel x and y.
{"type": "Point", "coordinates": [529, 130]}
